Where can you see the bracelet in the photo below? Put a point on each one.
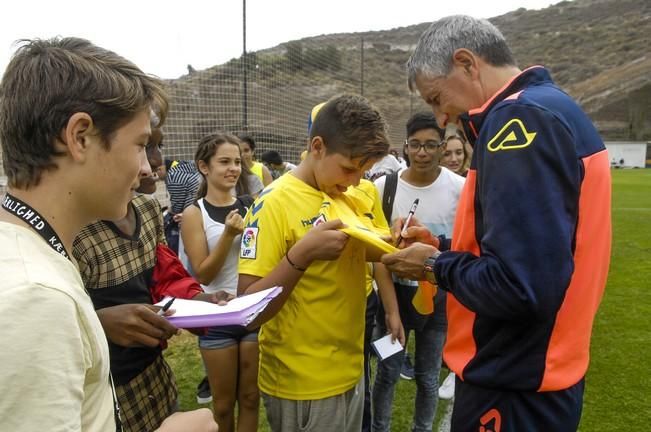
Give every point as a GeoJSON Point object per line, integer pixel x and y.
{"type": "Point", "coordinates": [292, 264]}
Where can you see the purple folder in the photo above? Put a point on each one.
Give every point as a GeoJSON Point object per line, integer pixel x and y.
{"type": "Point", "coordinates": [239, 311]}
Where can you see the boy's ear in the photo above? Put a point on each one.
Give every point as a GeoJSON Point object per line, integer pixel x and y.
{"type": "Point", "coordinates": [317, 147]}
{"type": "Point", "coordinates": [77, 135]}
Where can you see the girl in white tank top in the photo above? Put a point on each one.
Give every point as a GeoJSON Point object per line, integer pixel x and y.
{"type": "Point", "coordinates": [210, 232]}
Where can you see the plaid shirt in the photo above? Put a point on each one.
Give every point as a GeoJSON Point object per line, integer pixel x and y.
{"type": "Point", "coordinates": [117, 269]}
{"type": "Point", "coordinates": [148, 399]}
{"type": "Point", "coordinates": [108, 257]}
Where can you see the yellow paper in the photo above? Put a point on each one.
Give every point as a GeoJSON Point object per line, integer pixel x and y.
{"type": "Point", "coordinates": [357, 226]}
{"type": "Point", "coordinates": [369, 238]}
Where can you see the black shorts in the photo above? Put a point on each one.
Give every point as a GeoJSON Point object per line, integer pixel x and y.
{"type": "Point", "coordinates": [489, 410]}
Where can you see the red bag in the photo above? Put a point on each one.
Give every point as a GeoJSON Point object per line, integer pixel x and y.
{"type": "Point", "coordinates": [171, 278]}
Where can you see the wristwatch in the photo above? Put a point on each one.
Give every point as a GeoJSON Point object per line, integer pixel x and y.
{"type": "Point", "coordinates": [428, 267]}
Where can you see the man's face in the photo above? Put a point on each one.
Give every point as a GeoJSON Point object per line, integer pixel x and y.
{"type": "Point", "coordinates": [334, 172]}
{"type": "Point", "coordinates": [162, 172]}
{"type": "Point", "coordinates": [117, 172]}
{"type": "Point", "coordinates": [451, 95]}
{"type": "Point", "coordinates": [155, 159]}
{"type": "Point", "coordinates": [424, 150]}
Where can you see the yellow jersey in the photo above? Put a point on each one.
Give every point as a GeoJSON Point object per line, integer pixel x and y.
{"type": "Point", "coordinates": [366, 199]}
{"type": "Point", "coordinates": [313, 348]}
{"type": "Point", "coordinates": [256, 169]}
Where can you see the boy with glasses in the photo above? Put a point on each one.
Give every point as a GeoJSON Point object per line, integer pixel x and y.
{"type": "Point", "coordinates": [438, 190]}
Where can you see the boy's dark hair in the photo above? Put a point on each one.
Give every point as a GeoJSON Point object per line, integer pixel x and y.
{"type": "Point", "coordinates": [351, 126]}
{"type": "Point", "coordinates": [271, 157]}
{"type": "Point", "coordinates": [423, 120]}
{"type": "Point", "coordinates": [247, 139]}
{"type": "Point", "coordinates": [47, 81]}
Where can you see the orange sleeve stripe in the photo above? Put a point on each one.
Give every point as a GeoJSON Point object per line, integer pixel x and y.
{"type": "Point", "coordinates": [569, 346]}
{"type": "Point", "coordinates": [460, 345]}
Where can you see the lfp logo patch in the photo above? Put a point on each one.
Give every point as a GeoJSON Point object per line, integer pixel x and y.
{"type": "Point", "coordinates": [249, 243]}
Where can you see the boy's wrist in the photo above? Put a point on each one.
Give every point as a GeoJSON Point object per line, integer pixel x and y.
{"type": "Point", "coordinates": [299, 257]}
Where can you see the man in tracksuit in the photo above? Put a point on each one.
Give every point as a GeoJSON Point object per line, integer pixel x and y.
{"type": "Point", "coordinates": [531, 241]}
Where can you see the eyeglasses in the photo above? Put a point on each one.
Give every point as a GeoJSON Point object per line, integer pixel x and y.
{"type": "Point", "coordinates": [429, 146]}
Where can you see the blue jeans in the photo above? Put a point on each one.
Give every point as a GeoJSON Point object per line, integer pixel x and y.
{"type": "Point", "coordinates": [427, 356]}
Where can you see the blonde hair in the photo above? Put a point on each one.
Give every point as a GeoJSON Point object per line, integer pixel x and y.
{"type": "Point", "coordinates": [467, 153]}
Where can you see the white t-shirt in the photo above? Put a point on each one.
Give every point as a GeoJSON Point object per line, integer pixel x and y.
{"type": "Point", "coordinates": [386, 165]}
{"type": "Point", "coordinates": [54, 357]}
{"type": "Point", "coordinates": [438, 201]}
{"type": "Point", "coordinates": [436, 210]}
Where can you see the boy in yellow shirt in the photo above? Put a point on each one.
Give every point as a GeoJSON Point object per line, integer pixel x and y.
{"type": "Point", "coordinates": [311, 343]}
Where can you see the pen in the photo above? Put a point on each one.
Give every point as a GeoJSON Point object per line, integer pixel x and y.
{"type": "Point", "coordinates": [408, 220]}
{"type": "Point", "coordinates": [164, 309]}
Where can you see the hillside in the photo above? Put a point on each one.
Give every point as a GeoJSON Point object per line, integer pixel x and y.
{"type": "Point", "coordinates": [597, 50]}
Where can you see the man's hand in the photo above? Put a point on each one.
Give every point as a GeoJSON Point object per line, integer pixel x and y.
{"type": "Point", "coordinates": [220, 297]}
{"type": "Point", "coordinates": [415, 233]}
{"type": "Point", "coordinates": [323, 242]}
{"type": "Point", "coordinates": [395, 328]}
{"type": "Point", "coordinates": [132, 325]}
{"type": "Point", "coordinates": [409, 262]}
{"type": "Point", "coordinates": [178, 218]}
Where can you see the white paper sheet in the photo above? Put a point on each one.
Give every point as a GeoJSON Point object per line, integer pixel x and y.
{"type": "Point", "coordinates": [385, 348]}
{"type": "Point", "coordinates": [187, 308]}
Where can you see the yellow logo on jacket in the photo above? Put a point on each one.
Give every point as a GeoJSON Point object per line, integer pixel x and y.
{"type": "Point", "coordinates": [512, 136]}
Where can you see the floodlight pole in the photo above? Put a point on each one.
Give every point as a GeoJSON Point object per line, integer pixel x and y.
{"type": "Point", "coordinates": [245, 120]}
{"type": "Point", "coordinates": [361, 61]}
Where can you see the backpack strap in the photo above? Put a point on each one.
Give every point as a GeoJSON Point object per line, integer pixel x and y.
{"type": "Point", "coordinates": [390, 186]}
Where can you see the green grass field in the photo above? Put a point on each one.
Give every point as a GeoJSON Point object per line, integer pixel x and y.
{"type": "Point", "coordinates": [618, 384]}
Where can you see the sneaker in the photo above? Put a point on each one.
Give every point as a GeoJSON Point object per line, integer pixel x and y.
{"type": "Point", "coordinates": [203, 392]}
{"type": "Point", "coordinates": [407, 369]}
{"type": "Point", "coordinates": [446, 390]}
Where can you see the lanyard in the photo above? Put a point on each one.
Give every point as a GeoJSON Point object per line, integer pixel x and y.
{"type": "Point", "coordinates": [25, 212]}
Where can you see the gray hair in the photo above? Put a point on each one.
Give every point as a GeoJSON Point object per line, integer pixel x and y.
{"type": "Point", "coordinates": [433, 54]}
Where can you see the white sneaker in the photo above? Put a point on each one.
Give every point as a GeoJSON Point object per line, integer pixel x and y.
{"type": "Point", "coordinates": [446, 390]}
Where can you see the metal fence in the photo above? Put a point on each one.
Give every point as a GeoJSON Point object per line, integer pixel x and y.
{"type": "Point", "coordinates": [269, 93]}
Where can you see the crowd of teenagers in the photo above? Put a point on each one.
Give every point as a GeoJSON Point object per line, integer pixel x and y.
{"type": "Point", "coordinates": [497, 203]}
